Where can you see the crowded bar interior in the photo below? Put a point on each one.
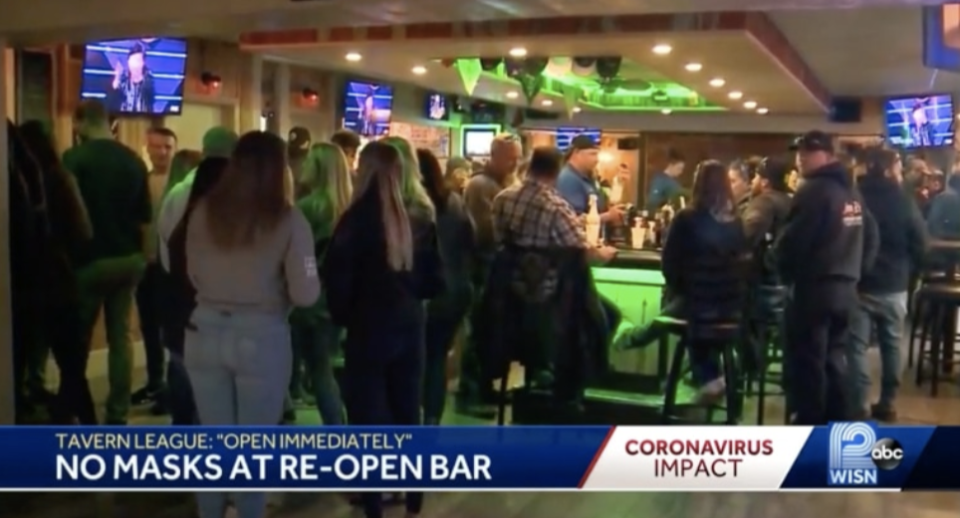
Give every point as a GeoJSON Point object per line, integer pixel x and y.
{"type": "Point", "coordinates": [616, 118]}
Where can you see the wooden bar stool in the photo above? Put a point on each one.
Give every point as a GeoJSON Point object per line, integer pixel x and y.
{"type": "Point", "coordinates": [723, 335]}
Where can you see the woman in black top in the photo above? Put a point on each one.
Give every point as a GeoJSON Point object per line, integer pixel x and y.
{"type": "Point", "coordinates": [703, 266]}
{"type": "Point", "coordinates": [446, 313]}
{"type": "Point", "coordinates": [64, 231]}
{"type": "Point", "coordinates": [383, 262]}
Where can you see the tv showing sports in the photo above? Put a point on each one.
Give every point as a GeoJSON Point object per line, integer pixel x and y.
{"type": "Point", "coordinates": [367, 108]}
{"type": "Point", "coordinates": [142, 76]}
{"type": "Point", "coordinates": [477, 141]}
{"type": "Point", "coordinates": [920, 121]}
{"type": "Point", "coordinates": [437, 108]}
{"type": "Point", "coordinates": [565, 135]}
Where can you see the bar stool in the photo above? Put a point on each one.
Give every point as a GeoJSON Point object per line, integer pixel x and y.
{"type": "Point", "coordinates": [770, 337]}
{"type": "Point", "coordinates": [940, 302]}
{"type": "Point", "coordinates": [724, 335]}
{"type": "Point", "coordinates": [919, 314]}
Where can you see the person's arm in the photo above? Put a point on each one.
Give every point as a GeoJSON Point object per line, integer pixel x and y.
{"type": "Point", "coordinates": [299, 263]}
{"type": "Point", "coordinates": [917, 239]}
{"type": "Point", "coordinates": [428, 265]}
{"type": "Point", "coordinates": [674, 250]}
{"type": "Point", "coordinates": [569, 233]}
{"type": "Point", "coordinates": [942, 220]}
{"type": "Point", "coordinates": [871, 240]}
{"type": "Point", "coordinates": [144, 212]}
{"type": "Point", "coordinates": [802, 231]}
{"type": "Point", "coordinates": [478, 197]}
{"type": "Point", "coordinates": [757, 220]}
{"type": "Point", "coordinates": [172, 211]}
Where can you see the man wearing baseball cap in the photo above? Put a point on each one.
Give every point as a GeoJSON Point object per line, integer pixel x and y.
{"type": "Point", "coordinates": [828, 240]}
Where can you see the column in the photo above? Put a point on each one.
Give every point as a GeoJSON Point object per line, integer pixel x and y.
{"type": "Point", "coordinates": [6, 337]}
{"type": "Point", "coordinates": [250, 104]}
{"type": "Point", "coordinates": [281, 99]}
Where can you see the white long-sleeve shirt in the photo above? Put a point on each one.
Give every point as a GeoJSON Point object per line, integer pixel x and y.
{"type": "Point", "coordinates": [171, 212]}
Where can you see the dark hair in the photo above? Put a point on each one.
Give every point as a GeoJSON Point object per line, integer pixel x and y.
{"type": "Point", "coordinates": [878, 161]}
{"type": "Point", "coordinates": [137, 48]}
{"type": "Point", "coordinates": [162, 132]}
{"type": "Point", "coordinates": [433, 180]}
{"type": "Point", "coordinates": [674, 157]}
{"type": "Point", "coordinates": [711, 188]}
{"type": "Point", "coordinates": [747, 169]}
{"type": "Point", "coordinates": [346, 139]}
{"type": "Point", "coordinates": [205, 179]}
{"type": "Point", "coordinates": [545, 162]}
{"type": "Point", "coordinates": [91, 111]}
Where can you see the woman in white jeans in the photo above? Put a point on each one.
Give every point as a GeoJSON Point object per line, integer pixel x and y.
{"type": "Point", "coordinates": [250, 257]}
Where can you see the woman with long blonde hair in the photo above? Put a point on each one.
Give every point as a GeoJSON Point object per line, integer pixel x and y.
{"type": "Point", "coordinates": [412, 193]}
{"type": "Point", "coordinates": [326, 187]}
{"type": "Point", "coordinates": [383, 262]}
{"type": "Point", "coordinates": [250, 257]}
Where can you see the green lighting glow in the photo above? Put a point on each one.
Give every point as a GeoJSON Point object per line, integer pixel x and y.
{"type": "Point", "coordinates": [655, 96]}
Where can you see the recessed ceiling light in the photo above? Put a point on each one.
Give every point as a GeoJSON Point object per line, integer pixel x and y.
{"type": "Point", "coordinates": [666, 111]}
{"type": "Point", "coordinates": [717, 82]}
{"type": "Point", "coordinates": [546, 102]}
{"type": "Point", "coordinates": [662, 49]}
{"type": "Point", "coordinates": [750, 105]}
{"type": "Point", "coordinates": [577, 109]}
{"type": "Point", "coordinates": [418, 70]}
{"type": "Point", "coordinates": [735, 95]}
{"type": "Point", "coordinates": [693, 67]}
{"type": "Point", "coordinates": [353, 56]}
{"type": "Point", "coordinates": [518, 52]}
{"type": "Point", "coordinates": [512, 95]}
{"type": "Point", "coordinates": [762, 111]}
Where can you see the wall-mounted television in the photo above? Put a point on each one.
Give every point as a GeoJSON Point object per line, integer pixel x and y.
{"type": "Point", "coordinates": [922, 121]}
{"type": "Point", "coordinates": [565, 135]}
{"type": "Point", "coordinates": [141, 76]}
{"type": "Point", "coordinates": [367, 108]}
{"type": "Point", "coordinates": [436, 107]}
{"type": "Point", "coordinates": [477, 141]}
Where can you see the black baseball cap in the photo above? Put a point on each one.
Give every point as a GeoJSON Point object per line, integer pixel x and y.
{"type": "Point", "coordinates": [582, 142]}
{"type": "Point", "coordinates": [299, 139]}
{"type": "Point", "coordinates": [811, 141]}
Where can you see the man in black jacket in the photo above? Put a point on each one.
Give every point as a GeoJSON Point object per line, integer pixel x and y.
{"type": "Point", "coordinates": [883, 288]}
{"type": "Point", "coordinates": [828, 240]}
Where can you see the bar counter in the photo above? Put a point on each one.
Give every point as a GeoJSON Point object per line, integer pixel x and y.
{"type": "Point", "coordinates": [633, 282]}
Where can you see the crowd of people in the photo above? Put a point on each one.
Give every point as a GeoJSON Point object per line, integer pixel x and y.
{"type": "Point", "coordinates": [224, 251]}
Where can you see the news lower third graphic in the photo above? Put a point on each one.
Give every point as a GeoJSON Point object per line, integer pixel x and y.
{"type": "Point", "coordinates": [840, 457]}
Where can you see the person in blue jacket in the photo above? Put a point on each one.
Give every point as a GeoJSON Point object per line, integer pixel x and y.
{"type": "Point", "coordinates": [664, 185]}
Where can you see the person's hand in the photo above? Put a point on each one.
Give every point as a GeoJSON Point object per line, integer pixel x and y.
{"type": "Point", "coordinates": [606, 253]}
{"type": "Point", "coordinates": [117, 73]}
{"type": "Point", "coordinates": [615, 215]}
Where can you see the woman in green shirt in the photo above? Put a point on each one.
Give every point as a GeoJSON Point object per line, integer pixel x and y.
{"type": "Point", "coordinates": [325, 187]}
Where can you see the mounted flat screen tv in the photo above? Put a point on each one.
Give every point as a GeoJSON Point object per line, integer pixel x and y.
{"type": "Point", "coordinates": [565, 135]}
{"type": "Point", "coordinates": [477, 141]}
{"type": "Point", "coordinates": [367, 108]}
{"type": "Point", "coordinates": [141, 76]}
{"type": "Point", "coordinates": [918, 122]}
{"type": "Point", "coordinates": [436, 107]}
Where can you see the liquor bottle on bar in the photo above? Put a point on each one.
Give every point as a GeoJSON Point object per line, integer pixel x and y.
{"type": "Point", "coordinates": [593, 222]}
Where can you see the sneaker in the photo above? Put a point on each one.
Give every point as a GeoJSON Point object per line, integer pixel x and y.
{"type": "Point", "coordinates": [711, 392]}
{"type": "Point", "coordinates": [885, 413]}
{"type": "Point", "coordinates": [146, 395]}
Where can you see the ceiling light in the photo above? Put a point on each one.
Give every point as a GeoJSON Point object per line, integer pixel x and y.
{"type": "Point", "coordinates": [717, 82]}
{"type": "Point", "coordinates": [666, 111]}
{"type": "Point", "coordinates": [418, 70]}
{"type": "Point", "coordinates": [546, 102]}
{"type": "Point", "coordinates": [750, 105]}
{"type": "Point", "coordinates": [353, 57]}
{"type": "Point", "coordinates": [735, 95]}
{"type": "Point", "coordinates": [518, 52]}
{"type": "Point", "coordinates": [762, 111]}
{"type": "Point", "coordinates": [662, 49]}
{"type": "Point", "coordinates": [693, 67]}
{"type": "Point", "coordinates": [512, 95]}
{"type": "Point", "coordinates": [577, 109]}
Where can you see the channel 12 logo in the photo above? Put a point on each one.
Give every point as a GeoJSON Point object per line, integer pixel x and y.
{"type": "Point", "coordinates": [856, 454]}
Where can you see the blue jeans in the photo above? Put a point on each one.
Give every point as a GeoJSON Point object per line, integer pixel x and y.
{"type": "Point", "coordinates": [887, 313]}
{"type": "Point", "coordinates": [239, 365]}
{"type": "Point", "coordinates": [318, 342]}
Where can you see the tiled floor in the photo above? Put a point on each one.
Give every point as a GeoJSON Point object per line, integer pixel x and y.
{"type": "Point", "coordinates": [915, 407]}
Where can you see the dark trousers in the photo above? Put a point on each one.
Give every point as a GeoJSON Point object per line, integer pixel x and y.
{"type": "Point", "coordinates": [384, 390]}
{"type": "Point", "coordinates": [179, 395]}
{"type": "Point", "coordinates": [149, 307]}
{"type": "Point", "coordinates": [64, 333]}
{"type": "Point", "coordinates": [817, 323]}
{"type": "Point", "coordinates": [613, 317]}
{"type": "Point", "coordinates": [317, 343]}
{"type": "Point", "coordinates": [704, 355]}
{"type": "Point", "coordinates": [440, 333]}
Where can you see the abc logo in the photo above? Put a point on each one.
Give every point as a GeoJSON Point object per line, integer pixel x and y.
{"type": "Point", "coordinates": [886, 454]}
